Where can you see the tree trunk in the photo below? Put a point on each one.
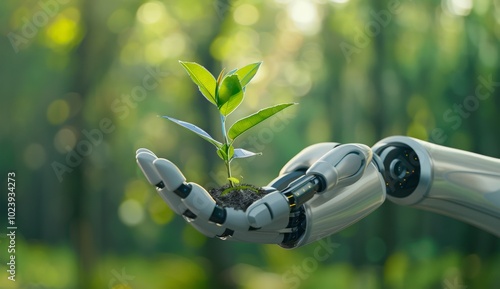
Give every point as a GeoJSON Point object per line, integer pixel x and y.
{"type": "Point", "coordinates": [89, 65]}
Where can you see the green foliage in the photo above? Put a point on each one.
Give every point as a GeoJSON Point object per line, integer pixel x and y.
{"type": "Point", "coordinates": [252, 120]}
{"type": "Point", "coordinates": [227, 93]}
{"type": "Point", "coordinates": [245, 74]}
{"type": "Point", "coordinates": [196, 130]}
{"type": "Point", "coordinates": [230, 94]}
{"type": "Point", "coordinates": [203, 78]}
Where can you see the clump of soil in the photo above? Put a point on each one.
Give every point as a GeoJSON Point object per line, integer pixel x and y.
{"type": "Point", "coordinates": [240, 198]}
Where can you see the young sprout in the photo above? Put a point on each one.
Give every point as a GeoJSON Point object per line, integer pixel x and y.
{"type": "Point", "coordinates": [226, 93]}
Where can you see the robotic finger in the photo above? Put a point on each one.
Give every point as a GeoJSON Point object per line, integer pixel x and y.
{"type": "Point", "coordinates": [145, 159]}
{"type": "Point", "coordinates": [305, 158]}
{"type": "Point", "coordinates": [339, 167]}
{"type": "Point", "coordinates": [330, 192]}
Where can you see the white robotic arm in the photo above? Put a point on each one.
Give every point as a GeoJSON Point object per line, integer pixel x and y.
{"type": "Point", "coordinates": [327, 187]}
{"type": "Point", "coordinates": [452, 182]}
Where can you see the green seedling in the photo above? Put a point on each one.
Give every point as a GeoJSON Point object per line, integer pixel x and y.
{"type": "Point", "coordinates": [226, 93]}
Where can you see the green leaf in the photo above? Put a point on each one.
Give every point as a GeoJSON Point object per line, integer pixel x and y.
{"type": "Point", "coordinates": [222, 154]}
{"type": "Point", "coordinates": [232, 71]}
{"type": "Point", "coordinates": [230, 94]}
{"type": "Point", "coordinates": [247, 73]}
{"type": "Point", "coordinates": [242, 153]}
{"type": "Point", "coordinates": [203, 78]}
{"type": "Point", "coordinates": [196, 130]}
{"type": "Point", "coordinates": [252, 120]}
{"type": "Point", "coordinates": [234, 180]}
{"type": "Point", "coordinates": [230, 152]}
{"type": "Point", "coordinates": [225, 152]}
{"type": "Point", "coordinates": [221, 74]}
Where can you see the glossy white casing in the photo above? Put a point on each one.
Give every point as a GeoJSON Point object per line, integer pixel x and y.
{"type": "Point", "coordinates": [336, 209]}
{"type": "Point", "coordinates": [455, 183]}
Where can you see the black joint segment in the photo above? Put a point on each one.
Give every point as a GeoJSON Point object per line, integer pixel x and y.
{"type": "Point", "coordinates": [297, 224]}
{"type": "Point", "coordinates": [189, 214]}
{"type": "Point", "coordinates": [290, 240]}
{"type": "Point", "coordinates": [218, 215]}
{"type": "Point", "coordinates": [227, 233]}
{"type": "Point", "coordinates": [297, 218]}
{"type": "Point", "coordinates": [253, 229]}
{"type": "Point", "coordinates": [183, 190]}
{"type": "Point", "coordinates": [322, 184]}
{"type": "Point", "coordinates": [160, 185]}
{"type": "Point", "coordinates": [284, 181]}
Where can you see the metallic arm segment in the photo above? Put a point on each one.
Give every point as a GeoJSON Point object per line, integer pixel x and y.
{"type": "Point", "coordinates": [452, 182]}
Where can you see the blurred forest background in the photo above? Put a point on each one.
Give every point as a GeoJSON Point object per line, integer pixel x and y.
{"type": "Point", "coordinates": [84, 81]}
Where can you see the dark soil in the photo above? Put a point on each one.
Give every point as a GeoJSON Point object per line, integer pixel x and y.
{"type": "Point", "coordinates": [239, 198]}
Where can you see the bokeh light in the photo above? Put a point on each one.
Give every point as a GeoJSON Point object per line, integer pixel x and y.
{"type": "Point", "coordinates": [246, 14]}
{"type": "Point", "coordinates": [131, 212]}
{"type": "Point", "coordinates": [65, 139]}
{"type": "Point", "coordinates": [305, 16]}
{"type": "Point", "coordinates": [151, 12]}
{"type": "Point", "coordinates": [34, 156]}
{"type": "Point", "coordinates": [459, 7]}
{"type": "Point", "coordinates": [64, 31]}
{"type": "Point", "coordinates": [58, 112]}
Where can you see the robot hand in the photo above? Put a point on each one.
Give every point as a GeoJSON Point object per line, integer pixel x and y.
{"type": "Point", "coordinates": [323, 189]}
